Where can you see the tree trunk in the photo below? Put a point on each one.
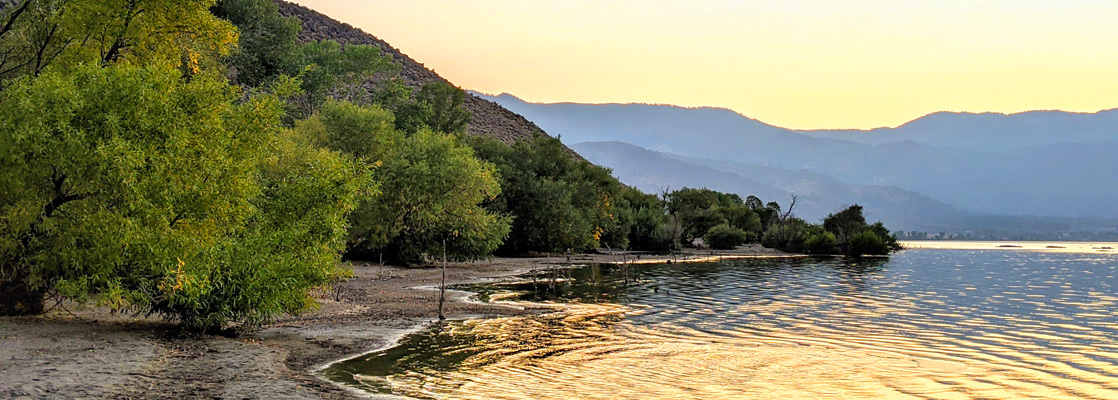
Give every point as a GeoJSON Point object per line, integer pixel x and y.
{"type": "Point", "coordinates": [442, 286]}
{"type": "Point", "coordinates": [18, 298]}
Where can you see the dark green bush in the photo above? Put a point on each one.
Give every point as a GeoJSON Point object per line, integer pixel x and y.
{"type": "Point", "coordinates": [867, 243]}
{"type": "Point", "coordinates": [820, 243]}
{"type": "Point", "coordinates": [725, 237]}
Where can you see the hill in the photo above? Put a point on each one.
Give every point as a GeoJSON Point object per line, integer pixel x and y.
{"type": "Point", "coordinates": [489, 118]}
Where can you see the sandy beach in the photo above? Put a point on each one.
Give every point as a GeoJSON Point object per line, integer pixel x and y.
{"type": "Point", "coordinates": [92, 353]}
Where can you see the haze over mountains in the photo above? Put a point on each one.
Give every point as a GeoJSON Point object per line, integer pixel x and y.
{"type": "Point", "coordinates": [1044, 171]}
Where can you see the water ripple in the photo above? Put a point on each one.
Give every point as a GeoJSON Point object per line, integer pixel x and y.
{"type": "Point", "coordinates": [927, 324]}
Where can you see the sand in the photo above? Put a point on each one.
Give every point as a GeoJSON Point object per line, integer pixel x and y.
{"type": "Point", "coordinates": [92, 353]}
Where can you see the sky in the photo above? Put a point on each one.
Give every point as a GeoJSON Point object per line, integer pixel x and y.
{"type": "Point", "coordinates": [803, 64]}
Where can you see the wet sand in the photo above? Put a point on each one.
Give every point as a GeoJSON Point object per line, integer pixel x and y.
{"type": "Point", "coordinates": [92, 353]}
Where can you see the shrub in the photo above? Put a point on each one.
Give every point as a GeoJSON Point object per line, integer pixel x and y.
{"type": "Point", "coordinates": [725, 237]}
{"type": "Point", "coordinates": [820, 243]}
{"type": "Point", "coordinates": [867, 243]}
{"type": "Point", "coordinates": [787, 236]}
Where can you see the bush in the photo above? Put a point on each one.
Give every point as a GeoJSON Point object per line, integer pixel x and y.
{"type": "Point", "coordinates": [820, 243]}
{"type": "Point", "coordinates": [867, 243]}
{"type": "Point", "coordinates": [787, 236]}
{"type": "Point", "coordinates": [725, 237]}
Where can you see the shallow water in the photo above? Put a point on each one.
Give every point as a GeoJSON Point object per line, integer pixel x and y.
{"type": "Point", "coordinates": [926, 324]}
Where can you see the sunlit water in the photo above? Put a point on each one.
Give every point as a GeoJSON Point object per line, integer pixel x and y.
{"type": "Point", "coordinates": [925, 324]}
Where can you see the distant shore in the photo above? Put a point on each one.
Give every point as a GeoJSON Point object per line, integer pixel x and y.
{"type": "Point", "coordinates": [92, 353]}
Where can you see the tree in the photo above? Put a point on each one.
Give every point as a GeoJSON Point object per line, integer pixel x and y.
{"type": "Point", "coordinates": [438, 105]}
{"type": "Point", "coordinates": [558, 203]}
{"type": "Point", "coordinates": [331, 70]}
{"type": "Point", "coordinates": [820, 243]}
{"type": "Point", "coordinates": [432, 188]}
{"type": "Point", "coordinates": [39, 34]}
{"type": "Point", "coordinates": [266, 43]}
{"type": "Point", "coordinates": [845, 224]}
{"type": "Point", "coordinates": [867, 242]}
{"type": "Point", "coordinates": [160, 195]}
{"type": "Point", "coordinates": [725, 237]}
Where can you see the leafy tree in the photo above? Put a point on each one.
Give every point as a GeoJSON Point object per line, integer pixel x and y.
{"type": "Point", "coordinates": [725, 237]}
{"type": "Point", "coordinates": [845, 224]}
{"type": "Point", "coordinates": [437, 105]}
{"type": "Point", "coordinates": [558, 203]}
{"type": "Point", "coordinates": [39, 34]}
{"type": "Point", "coordinates": [820, 243]}
{"type": "Point", "coordinates": [155, 195]}
{"type": "Point", "coordinates": [266, 43]}
{"type": "Point", "coordinates": [788, 236]}
{"type": "Point", "coordinates": [432, 190]}
{"type": "Point", "coordinates": [888, 238]}
{"type": "Point", "coordinates": [431, 184]}
{"type": "Point", "coordinates": [331, 70]}
{"type": "Point", "coordinates": [867, 242]}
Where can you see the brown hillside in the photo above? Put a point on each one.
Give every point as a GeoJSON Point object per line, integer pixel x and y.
{"type": "Point", "coordinates": [489, 118]}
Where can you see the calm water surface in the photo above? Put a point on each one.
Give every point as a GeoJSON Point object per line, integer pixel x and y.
{"type": "Point", "coordinates": [925, 324]}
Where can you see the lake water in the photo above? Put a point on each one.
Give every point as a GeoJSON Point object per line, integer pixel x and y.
{"type": "Point", "coordinates": [925, 324]}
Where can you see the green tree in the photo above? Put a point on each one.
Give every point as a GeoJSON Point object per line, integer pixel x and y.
{"type": "Point", "coordinates": [725, 237]}
{"type": "Point", "coordinates": [820, 243]}
{"type": "Point", "coordinates": [155, 194]}
{"type": "Point", "coordinates": [432, 190]}
{"type": "Point", "coordinates": [438, 105]}
{"type": "Point", "coordinates": [267, 41]}
{"type": "Point", "coordinates": [331, 70]}
{"type": "Point", "coordinates": [867, 242]}
{"type": "Point", "coordinates": [845, 224]}
{"type": "Point", "coordinates": [558, 203]}
{"type": "Point", "coordinates": [40, 34]}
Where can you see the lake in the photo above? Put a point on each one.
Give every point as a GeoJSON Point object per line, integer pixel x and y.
{"type": "Point", "coordinates": [990, 322]}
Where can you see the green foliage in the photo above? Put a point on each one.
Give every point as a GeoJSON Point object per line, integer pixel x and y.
{"type": "Point", "coordinates": [331, 70]}
{"type": "Point", "coordinates": [820, 243]}
{"type": "Point", "coordinates": [887, 237]}
{"type": "Point", "coordinates": [439, 106]}
{"type": "Point", "coordinates": [266, 43]}
{"type": "Point", "coordinates": [867, 242]}
{"type": "Point", "coordinates": [788, 236]}
{"type": "Point", "coordinates": [365, 132]}
{"type": "Point", "coordinates": [702, 209]}
{"type": "Point", "coordinates": [846, 223]}
{"type": "Point", "coordinates": [850, 222]}
{"type": "Point", "coordinates": [155, 195]}
{"type": "Point", "coordinates": [557, 202]}
{"type": "Point", "coordinates": [431, 187]}
{"type": "Point", "coordinates": [725, 237]}
{"type": "Point", "coordinates": [39, 34]}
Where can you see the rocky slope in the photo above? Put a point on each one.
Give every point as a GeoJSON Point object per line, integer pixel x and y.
{"type": "Point", "coordinates": [489, 118]}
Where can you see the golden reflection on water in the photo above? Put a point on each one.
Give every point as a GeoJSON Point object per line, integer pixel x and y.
{"type": "Point", "coordinates": [834, 338]}
{"type": "Point", "coordinates": [1050, 247]}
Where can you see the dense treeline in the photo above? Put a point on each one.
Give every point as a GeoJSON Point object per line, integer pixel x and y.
{"type": "Point", "coordinates": [193, 160]}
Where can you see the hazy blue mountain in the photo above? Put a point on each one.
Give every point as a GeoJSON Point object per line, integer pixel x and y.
{"type": "Point", "coordinates": [1056, 177]}
{"type": "Point", "coordinates": [991, 132]}
{"type": "Point", "coordinates": [819, 194]}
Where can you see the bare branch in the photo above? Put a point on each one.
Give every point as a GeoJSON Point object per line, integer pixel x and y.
{"type": "Point", "coordinates": [788, 212]}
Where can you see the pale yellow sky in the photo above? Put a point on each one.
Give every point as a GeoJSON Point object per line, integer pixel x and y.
{"type": "Point", "coordinates": [793, 63]}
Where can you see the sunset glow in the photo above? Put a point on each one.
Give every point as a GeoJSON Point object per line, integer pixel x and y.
{"type": "Point", "coordinates": [798, 64]}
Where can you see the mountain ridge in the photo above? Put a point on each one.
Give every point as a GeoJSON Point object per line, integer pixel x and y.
{"type": "Point", "coordinates": [489, 118]}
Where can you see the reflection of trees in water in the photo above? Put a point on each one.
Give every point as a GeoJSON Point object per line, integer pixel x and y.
{"type": "Point", "coordinates": [856, 275]}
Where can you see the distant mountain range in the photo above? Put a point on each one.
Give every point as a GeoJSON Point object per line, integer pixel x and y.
{"type": "Point", "coordinates": [991, 132]}
{"type": "Point", "coordinates": [958, 171]}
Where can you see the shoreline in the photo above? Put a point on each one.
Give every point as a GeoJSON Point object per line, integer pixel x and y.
{"type": "Point", "coordinates": [93, 353]}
